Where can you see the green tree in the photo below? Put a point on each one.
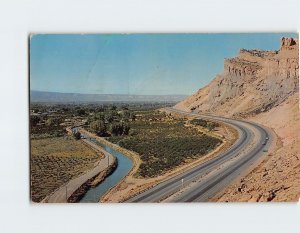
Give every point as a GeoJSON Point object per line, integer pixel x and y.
{"type": "Point", "coordinates": [34, 120]}
{"type": "Point", "coordinates": [53, 122]}
{"type": "Point", "coordinates": [99, 127]}
{"type": "Point", "coordinates": [80, 112]}
{"type": "Point", "coordinates": [110, 116]}
{"type": "Point", "coordinates": [99, 116]}
{"type": "Point", "coordinates": [126, 129]}
{"type": "Point", "coordinates": [119, 129]}
{"type": "Point", "coordinates": [77, 135]}
{"type": "Point", "coordinates": [115, 129]}
{"type": "Point", "coordinates": [127, 115]}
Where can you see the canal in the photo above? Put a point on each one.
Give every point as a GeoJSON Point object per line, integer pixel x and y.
{"type": "Point", "coordinates": [124, 166]}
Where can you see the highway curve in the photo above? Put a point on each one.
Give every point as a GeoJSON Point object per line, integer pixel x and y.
{"type": "Point", "coordinates": [203, 181]}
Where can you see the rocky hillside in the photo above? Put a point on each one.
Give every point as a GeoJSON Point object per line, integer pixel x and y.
{"type": "Point", "coordinates": [262, 86]}
{"type": "Point", "coordinates": [277, 178]}
{"type": "Point", "coordinates": [253, 82]}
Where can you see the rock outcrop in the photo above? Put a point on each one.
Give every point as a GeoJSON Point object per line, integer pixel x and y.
{"type": "Point", "coordinates": [252, 82]}
{"type": "Point", "coordinates": [261, 86]}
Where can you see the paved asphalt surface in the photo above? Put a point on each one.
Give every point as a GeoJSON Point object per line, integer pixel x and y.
{"type": "Point", "coordinates": [203, 181]}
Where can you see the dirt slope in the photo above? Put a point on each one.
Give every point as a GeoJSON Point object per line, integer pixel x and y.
{"type": "Point", "coordinates": [262, 86]}
{"type": "Point", "coordinates": [278, 177]}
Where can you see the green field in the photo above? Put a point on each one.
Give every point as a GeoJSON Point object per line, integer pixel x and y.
{"type": "Point", "coordinates": [163, 142]}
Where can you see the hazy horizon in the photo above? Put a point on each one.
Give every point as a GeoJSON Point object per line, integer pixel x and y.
{"type": "Point", "coordinates": [171, 94]}
{"type": "Point", "coordinates": [136, 64]}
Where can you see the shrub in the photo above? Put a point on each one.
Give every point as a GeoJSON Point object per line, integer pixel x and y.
{"type": "Point", "coordinates": [53, 121]}
{"type": "Point", "coordinates": [34, 120]}
{"type": "Point", "coordinates": [77, 135]}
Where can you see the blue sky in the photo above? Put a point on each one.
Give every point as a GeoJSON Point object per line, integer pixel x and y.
{"type": "Point", "coordinates": [157, 64]}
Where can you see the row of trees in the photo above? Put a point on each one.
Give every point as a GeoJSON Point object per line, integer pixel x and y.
{"type": "Point", "coordinates": [53, 121]}
{"type": "Point", "coordinates": [86, 110]}
{"type": "Point", "coordinates": [106, 129]}
{"type": "Point", "coordinates": [111, 122]}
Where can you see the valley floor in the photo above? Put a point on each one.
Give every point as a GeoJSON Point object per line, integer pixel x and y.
{"type": "Point", "coordinates": [132, 184]}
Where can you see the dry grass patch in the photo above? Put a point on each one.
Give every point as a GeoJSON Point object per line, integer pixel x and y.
{"type": "Point", "coordinates": [55, 161]}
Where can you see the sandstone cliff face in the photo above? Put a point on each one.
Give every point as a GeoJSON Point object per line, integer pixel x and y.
{"type": "Point", "coordinates": [262, 86]}
{"type": "Point", "coordinates": [252, 82]}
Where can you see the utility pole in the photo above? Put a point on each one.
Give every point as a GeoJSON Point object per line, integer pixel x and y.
{"type": "Point", "coordinates": [181, 183]}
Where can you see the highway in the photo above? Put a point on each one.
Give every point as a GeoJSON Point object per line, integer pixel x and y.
{"type": "Point", "coordinates": [205, 180]}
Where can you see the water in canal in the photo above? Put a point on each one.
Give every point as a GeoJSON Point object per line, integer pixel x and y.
{"type": "Point", "coordinates": [124, 166]}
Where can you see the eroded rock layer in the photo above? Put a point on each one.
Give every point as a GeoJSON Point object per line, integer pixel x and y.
{"type": "Point", "coordinates": [253, 82]}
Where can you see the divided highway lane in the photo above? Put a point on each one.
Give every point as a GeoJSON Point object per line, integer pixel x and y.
{"type": "Point", "coordinates": [206, 189]}
{"type": "Point", "coordinates": [210, 185]}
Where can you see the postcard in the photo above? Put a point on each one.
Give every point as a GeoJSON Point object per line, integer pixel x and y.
{"type": "Point", "coordinates": [164, 118]}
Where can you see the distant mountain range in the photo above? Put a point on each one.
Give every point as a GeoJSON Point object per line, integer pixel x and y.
{"type": "Point", "coordinates": [57, 97]}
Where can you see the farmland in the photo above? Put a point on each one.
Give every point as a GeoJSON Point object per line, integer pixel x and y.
{"type": "Point", "coordinates": [163, 142]}
{"type": "Point", "coordinates": [57, 157]}
{"type": "Point", "coordinates": [54, 161]}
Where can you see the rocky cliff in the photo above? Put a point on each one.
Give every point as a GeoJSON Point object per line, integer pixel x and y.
{"type": "Point", "coordinates": [262, 86]}
{"type": "Point", "coordinates": [251, 83]}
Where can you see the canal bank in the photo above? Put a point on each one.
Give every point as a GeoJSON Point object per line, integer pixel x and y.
{"type": "Point", "coordinates": [93, 182]}
{"type": "Point", "coordinates": [94, 194]}
{"type": "Point", "coordinates": [73, 190]}
{"type": "Point", "coordinates": [117, 151]}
